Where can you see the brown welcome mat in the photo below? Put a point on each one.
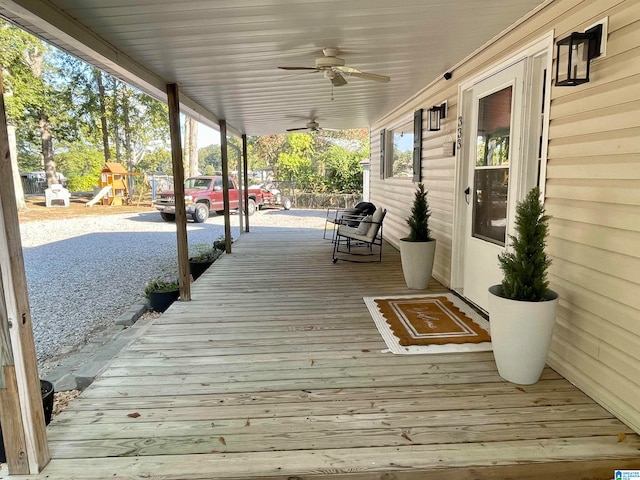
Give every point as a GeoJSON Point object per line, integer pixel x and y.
{"type": "Point", "coordinates": [428, 324]}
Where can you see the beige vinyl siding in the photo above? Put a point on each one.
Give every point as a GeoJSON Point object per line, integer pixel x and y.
{"type": "Point", "coordinates": [592, 190]}
{"type": "Point", "coordinates": [593, 194]}
{"type": "Point", "coordinates": [438, 174]}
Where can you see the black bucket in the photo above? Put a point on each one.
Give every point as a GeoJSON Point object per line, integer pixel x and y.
{"type": "Point", "coordinates": [46, 391]}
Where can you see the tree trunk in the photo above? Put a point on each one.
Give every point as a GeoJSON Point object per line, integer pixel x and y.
{"type": "Point", "coordinates": [192, 145]}
{"type": "Point", "coordinates": [127, 140]}
{"type": "Point", "coordinates": [103, 115]}
{"type": "Point", "coordinates": [186, 160]}
{"type": "Point", "coordinates": [35, 59]}
{"type": "Point", "coordinates": [17, 181]}
{"type": "Point", "coordinates": [115, 122]}
{"type": "Point", "coordinates": [47, 149]}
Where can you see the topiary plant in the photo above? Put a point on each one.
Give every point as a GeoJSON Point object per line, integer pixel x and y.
{"type": "Point", "coordinates": [525, 267]}
{"type": "Point", "coordinates": [418, 221]}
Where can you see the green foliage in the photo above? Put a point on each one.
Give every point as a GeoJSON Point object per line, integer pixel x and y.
{"type": "Point", "coordinates": [312, 161]}
{"type": "Point", "coordinates": [221, 243]}
{"type": "Point", "coordinates": [525, 268]}
{"type": "Point", "coordinates": [156, 160]}
{"type": "Point", "coordinates": [90, 114]}
{"type": "Point", "coordinates": [402, 163]}
{"type": "Point", "coordinates": [76, 183]}
{"type": "Point", "coordinates": [81, 164]}
{"type": "Point", "coordinates": [164, 284]}
{"type": "Point", "coordinates": [51, 92]}
{"type": "Point", "coordinates": [209, 170]}
{"type": "Point", "coordinates": [418, 221]}
{"type": "Point", "coordinates": [206, 252]}
{"type": "Point", "coordinates": [210, 159]}
{"type": "Point", "coordinates": [343, 169]}
{"type": "Point", "coordinates": [296, 164]}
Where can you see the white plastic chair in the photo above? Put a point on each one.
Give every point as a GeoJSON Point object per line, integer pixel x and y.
{"type": "Point", "coordinates": [56, 193]}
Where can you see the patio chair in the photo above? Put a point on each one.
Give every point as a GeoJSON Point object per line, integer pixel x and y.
{"type": "Point", "coordinates": [335, 215]}
{"type": "Point", "coordinates": [359, 241]}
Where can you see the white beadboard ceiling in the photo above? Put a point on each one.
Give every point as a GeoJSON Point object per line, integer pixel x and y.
{"type": "Point", "coordinates": [224, 54]}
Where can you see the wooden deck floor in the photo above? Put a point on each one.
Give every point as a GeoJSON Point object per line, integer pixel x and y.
{"type": "Point", "coordinates": [275, 371]}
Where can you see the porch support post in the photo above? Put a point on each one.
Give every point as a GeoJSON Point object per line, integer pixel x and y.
{"type": "Point", "coordinates": [173, 100]}
{"type": "Point", "coordinates": [21, 412]}
{"type": "Point", "coordinates": [245, 170]}
{"type": "Point", "coordinates": [224, 150]}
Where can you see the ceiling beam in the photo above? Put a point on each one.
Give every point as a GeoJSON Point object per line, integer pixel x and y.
{"type": "Point", "coordinates": [55, 22]}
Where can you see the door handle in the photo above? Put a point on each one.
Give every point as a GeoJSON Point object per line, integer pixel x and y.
{"type": "Point", "coordinates": [466, 194]}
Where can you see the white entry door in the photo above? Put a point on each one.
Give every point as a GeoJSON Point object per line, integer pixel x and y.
{"type": "Point", "coordinates": [493, 153]}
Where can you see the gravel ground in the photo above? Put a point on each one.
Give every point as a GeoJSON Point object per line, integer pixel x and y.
{"type": "Point", "coordinates": [82, 273]}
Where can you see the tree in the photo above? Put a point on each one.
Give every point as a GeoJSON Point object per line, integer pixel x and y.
{"type": "Point", "coordinates": [343, 169]}
{"type": "Point", "coordinates": [296, 162]}
{"type": "Point", "coordinates": [102, 103]}
{"type": "Point", "coordinates": [210, 159]}
{"type": "Point", "coordinates": [12, 42]}
{"type": "Point", "coordinates": [191, 159]}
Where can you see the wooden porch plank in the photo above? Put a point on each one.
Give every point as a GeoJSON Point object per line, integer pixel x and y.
{"type": "Point", "coordinates": [439, 393]}
{"type": "Point", "coordinates": [288, 370]}
{"type": "Point", "coordinates": [324, 366]}
{"type": "Point", "coordinates": [518, 459]}
{"type": "Point", "coordinates": [367, 413]}
{"type": "Point", "coordinates": [302, 384]}
{"type": "Point", "coordinates": [221, 441]}
{"type": "Point", "coordinates": [290, 361]}
{"type": "Point", "coordinates": [204, 375]}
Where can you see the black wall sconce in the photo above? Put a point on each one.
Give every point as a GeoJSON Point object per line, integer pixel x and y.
{"type": "Point", "coordinates": [574, 56]}
{"type": "Point", "coordinates": [436, 113]}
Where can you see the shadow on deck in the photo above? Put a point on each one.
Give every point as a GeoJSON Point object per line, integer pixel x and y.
{"type": "Point", "coordinates": [275, 371]}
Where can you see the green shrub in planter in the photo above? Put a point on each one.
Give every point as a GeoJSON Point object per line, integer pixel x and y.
{"type": "Point", "coordinates": [418, 221]}
{"type": "Point", "coordinates": [525, 267]}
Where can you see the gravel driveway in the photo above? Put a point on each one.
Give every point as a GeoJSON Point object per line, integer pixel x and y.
{"type": "Point", "coordinates": [84, 272]}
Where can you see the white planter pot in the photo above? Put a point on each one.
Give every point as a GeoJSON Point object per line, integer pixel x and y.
{"type": "Point", "coordinates": [521, 335]}
{"type": "Point", "coordinates": [417, 263]}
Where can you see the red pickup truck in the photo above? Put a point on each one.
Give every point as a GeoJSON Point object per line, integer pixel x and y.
{"type": "Point", "coordinates": [204, 193]}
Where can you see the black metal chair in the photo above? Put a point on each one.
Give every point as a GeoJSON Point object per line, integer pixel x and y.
{"type": "Point", "coordinates": [335, 216]}
{"type": "Point", "coordinates": [361, 240]}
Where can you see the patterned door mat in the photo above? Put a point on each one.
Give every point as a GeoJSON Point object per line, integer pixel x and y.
{"type": "Point", "coordinates": [436, 323]}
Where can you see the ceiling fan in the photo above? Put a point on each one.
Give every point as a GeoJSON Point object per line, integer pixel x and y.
{"type": "Point", "coordinates": [312, 126]}
{"type": "Point", "coordinates": [333, 68]}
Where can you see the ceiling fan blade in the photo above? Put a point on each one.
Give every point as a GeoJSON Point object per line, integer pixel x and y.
{"type": "Point", "coordinates": [354, 72]}
{"type": "Point", "coordinates": [299, 68]}
{"type": "Point", "coordinates": [330, 129]}
{"type": "Point", "coordinates": [296, 129]}
{"type": "Point", "coordinates": [338, 80]}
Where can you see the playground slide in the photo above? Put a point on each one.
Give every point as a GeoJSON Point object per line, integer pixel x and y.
{"type": "Point", "coordinates": [98, 196]}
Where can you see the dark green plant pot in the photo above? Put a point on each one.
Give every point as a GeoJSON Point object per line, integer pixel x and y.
{"type": "Point", "coordinates": [160, 301]}
{"type": "Point", "coordinates": [46, 391]}
{"type": "Point", "coordinates": [198, 268]}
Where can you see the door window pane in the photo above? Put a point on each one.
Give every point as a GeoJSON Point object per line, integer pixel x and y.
{"type": "Point", "coordinates": [490, 204]}
{"type": "Point", "coordinates": [494, 128]}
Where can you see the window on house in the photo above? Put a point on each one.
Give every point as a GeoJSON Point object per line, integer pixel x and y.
{"type": "Point", "coordinates": [401, 158]}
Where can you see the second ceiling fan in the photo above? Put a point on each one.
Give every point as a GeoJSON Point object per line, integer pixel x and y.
{"type": "Point", "coordinates": [312, 126]}
{"type": "Point", "coordinates": [334, 68]}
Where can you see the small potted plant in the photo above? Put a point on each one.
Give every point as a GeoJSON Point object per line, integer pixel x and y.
{"type": "Point", "coordinates": [162, 292]}
{"type": "Point", "coordinates": [203, 257]}
{"type": "Point", "coordinates": [417, 250]}
{"type": "Point", "coordinates": [522, 309]}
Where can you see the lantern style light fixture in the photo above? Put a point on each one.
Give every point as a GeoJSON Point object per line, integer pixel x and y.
{"type": "Point", "coordinates": [574, 56]}
{"type": "Point", "coordinates": [436, 113]}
